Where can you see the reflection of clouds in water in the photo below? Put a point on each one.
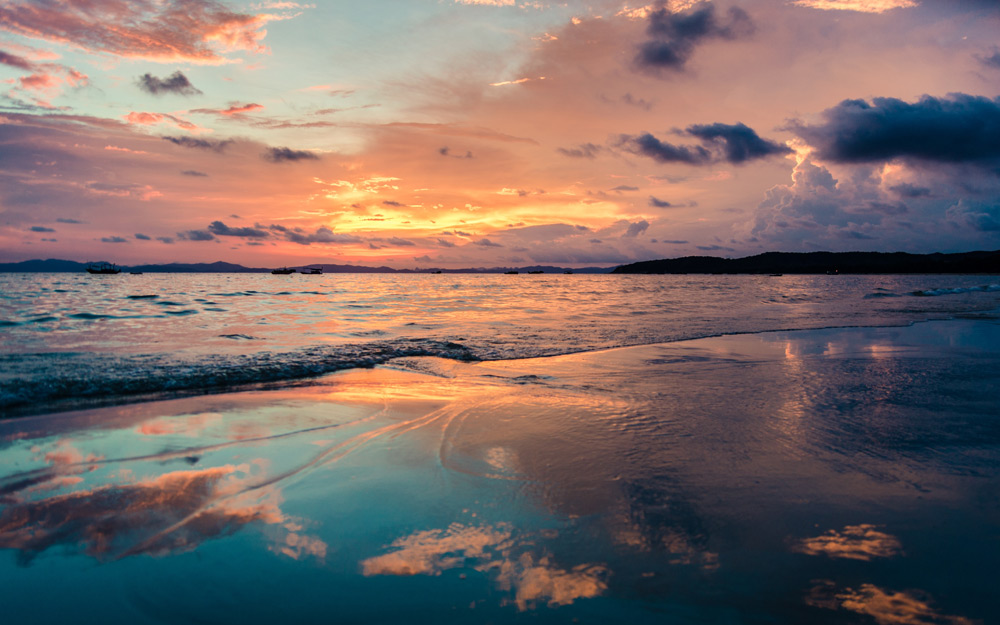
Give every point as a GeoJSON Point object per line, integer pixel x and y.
{"type": "Point", "coordinates": [297, 545]}
{"type": "Point", "coordinates": [886, 607]}
{"type": "Point", "coordinates": [855, 542]}
{"type": "Point", "coordinates": [66, 454]}
{"type": "Point", "coordinates": [489, 548]}
{"type": "Point", "coordinates": [431, 551]}
{"type": "Point", "coordinates": [189, 425]}
{"type": "Point", "coordinates": [173, 512]}
{"type": "Point", "coordinates": [534, 583]}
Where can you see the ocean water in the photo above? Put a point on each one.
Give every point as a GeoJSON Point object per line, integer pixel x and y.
{"type": "Point", "coordinates": [582, 449]}
{"type": "Point", "coordinates": [70, 339]}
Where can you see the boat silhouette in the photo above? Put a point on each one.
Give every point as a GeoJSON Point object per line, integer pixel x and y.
{"type": "Point", "coordinates": [103, 268]}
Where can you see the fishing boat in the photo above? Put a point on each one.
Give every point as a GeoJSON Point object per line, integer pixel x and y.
{"type": "Point", "coordinates": [311, 271]}
{"type": "Point", "coordinates": [282, 271]}
{"type": "Point", "coordinates": [103, 268]}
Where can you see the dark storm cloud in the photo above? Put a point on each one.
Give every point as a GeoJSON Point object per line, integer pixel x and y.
{"type": "Point", "coordinates": [958, 129]}
{"type": "Point", "coordinates": [733, 143]}
{"type": "Point", "coordinates": [192, 172]}
{"type": "Point", "coordinates": [220, 229]}
{"type": "Point", "coordinates": [739, 142]}
{"type": "Point", "coordinates": [635, 229]}
{"type": "Point", "coordinates": [41, 229]}
{"type": "Point", "coordinates": [175, 83]}
{"type": "Point", "coordinates": [624, 187]}
{"type": "Point", "coordinates": [398, 242]}
{"type": "Point", "coordinates": [585, 150]}
{"type": "Point", "coordinates": [486, 243]}
{"type": "Point", "coordinates": [393, 203]}
{"type": "Point", "coordinates": [141, 237]}
{"type": "Point", "coordinates": [114, 240]}
{"type": "Point", "coordinates": [656, 202]}
{"type": "Point", "coordinates": [906, 189]}
{"type": "Point", "coordinates": [648, 145]}
{"type": "Point", "coordinates": [288, 155]}
{"type": "Point", "coordinates": [322, 235]}
{"type": "Point", "coordinates": [202, 144]}
{"type": "Point", "coordinates": [674, 36]}
{"type": "Point", "coordinates": [64, 220]}
{"type": "Point", "coordinates": [195, 235]}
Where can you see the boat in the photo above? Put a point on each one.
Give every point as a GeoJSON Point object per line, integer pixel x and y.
{"type": "Point", "coordinates": [103, 268]}
{"type": "Point", "coordinates": [135, 273]}
{"type": "Point", "coordinates": [311, 271]}
{"type": "Point", "coordinates": [282, 271]}
{"type": "Point", "coordinates": [511, 273]}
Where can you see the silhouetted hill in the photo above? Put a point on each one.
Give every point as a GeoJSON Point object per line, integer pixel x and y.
{"type": "Point", "coordinates": [53, 265]}
{"type": "Point", "coordinates": [825, 262]}
{"type": "Point", "coordinates": [216, 267]}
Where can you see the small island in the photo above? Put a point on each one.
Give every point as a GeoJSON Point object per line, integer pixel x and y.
{"type": "Point", "coordinates": [823, 263]}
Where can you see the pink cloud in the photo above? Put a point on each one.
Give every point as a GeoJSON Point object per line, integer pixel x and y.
{"type": "Point", "coordinates": [148, 119]}
{"type": "Point", "coordinates": [189, 30]}
{"type": "Point", "coordinates": [38, 82]}
{"type": "Point", "coordinates": [237, 109]}
{"type": "Point", "coordinates": [44, 79]}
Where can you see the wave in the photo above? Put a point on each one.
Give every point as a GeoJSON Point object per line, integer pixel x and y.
{"type": "Point", "coordinates": [51, 382]}
{"type": "Point", "coordinates": [986, 288]}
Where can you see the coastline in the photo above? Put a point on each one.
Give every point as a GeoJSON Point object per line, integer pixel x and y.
{"type": "Point", "coordinates": [635, 481]}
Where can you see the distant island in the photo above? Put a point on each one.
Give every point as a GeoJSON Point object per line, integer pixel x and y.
{"type": "Point", "coordinates": [823, 263]}
{"type": "Point", "coordinates": [767, 263]}
{"type": "Point", "coordinates": [55, 265]}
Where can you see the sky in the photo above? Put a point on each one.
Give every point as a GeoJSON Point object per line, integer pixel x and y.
{"type": "Point", "coordinates": [485, 133]}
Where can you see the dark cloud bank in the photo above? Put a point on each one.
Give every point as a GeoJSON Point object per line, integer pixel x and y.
{"type": "Point", "coordinates": [673, 37]}
{"type": "Point", "coordinates": [733, 143]}
{"type": "Point", "coordinates": [958, 129]}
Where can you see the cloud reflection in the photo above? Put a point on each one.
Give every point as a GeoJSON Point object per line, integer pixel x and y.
{"type": "Point", "coordinates": [884, 606]}
{"type": "Point", "coordinates": [854, 542]}
{"type": "Point", "coordinates": [533, 581]}
{"type": "Point", "coordinates": [173, 512]}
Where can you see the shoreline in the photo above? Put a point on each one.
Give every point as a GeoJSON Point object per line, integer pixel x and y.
{"type": "Point", "coordinates": [316, 372]}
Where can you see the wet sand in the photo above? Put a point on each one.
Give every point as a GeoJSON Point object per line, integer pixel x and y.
{"type": "Point", "coordinates": [823, 476]}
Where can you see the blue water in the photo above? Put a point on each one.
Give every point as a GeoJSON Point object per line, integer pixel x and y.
{"type": "Point", "coordinates": [69, 339]}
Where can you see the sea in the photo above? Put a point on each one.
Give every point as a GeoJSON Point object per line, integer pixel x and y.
{"type": "Point", "coordinates": [71, 339]}
{"type": "Point", "coordinates": [470, 448]}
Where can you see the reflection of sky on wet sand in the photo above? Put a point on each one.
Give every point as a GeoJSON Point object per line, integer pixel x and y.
{"type": "Point", "coordinates": [854, 542]}
{"type": "Point", "coordinates": [534, 580]}
{"type": "Point", "coordinates": [885, 607]}
{"type": "Point", "coordinates": [698, 478]}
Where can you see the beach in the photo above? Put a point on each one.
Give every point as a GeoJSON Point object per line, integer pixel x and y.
{"type": "Point", "coordinates": [845, 475]}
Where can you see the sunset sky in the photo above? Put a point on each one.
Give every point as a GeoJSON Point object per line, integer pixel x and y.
{"type": "Point", "coordinates": [478, 133]}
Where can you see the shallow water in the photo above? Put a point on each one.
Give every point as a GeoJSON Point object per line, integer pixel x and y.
{"type": "Point", "coordinates": [69, 339]}
{"type": "Point", "coordinates": [826, 476]}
